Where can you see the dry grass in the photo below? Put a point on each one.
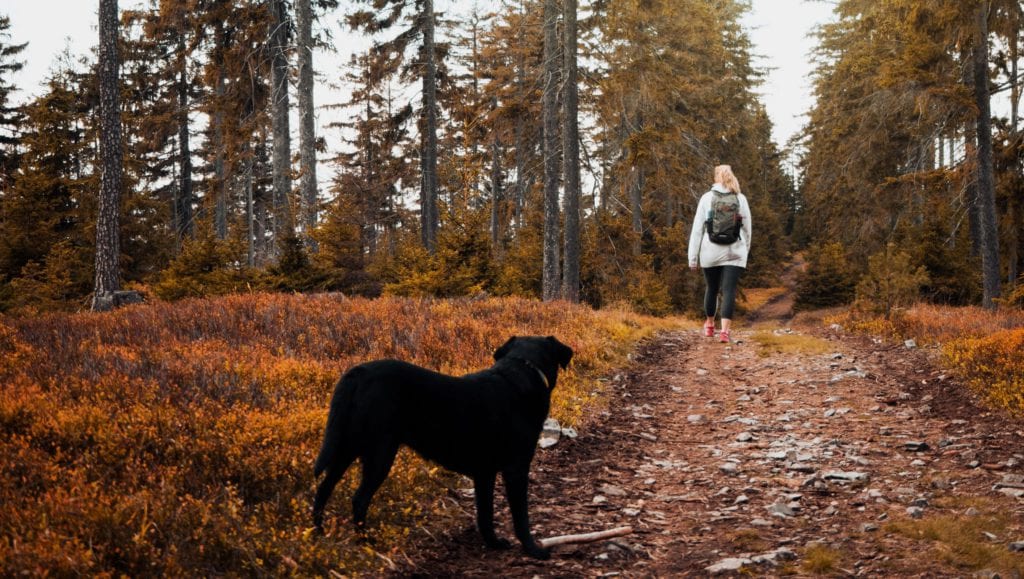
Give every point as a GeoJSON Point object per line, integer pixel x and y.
{"type": "Point", "coordinates": [754, 298]}
{"type": "Point", "coordinates": [772, 343]}
{"type": "Point", "coordinates": [821, 560]}
{"type": "Point", "coordinates": [960, 541]}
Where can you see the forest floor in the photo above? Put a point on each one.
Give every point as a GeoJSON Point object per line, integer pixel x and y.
{"type": "Point", "coordinates": [795, 450]}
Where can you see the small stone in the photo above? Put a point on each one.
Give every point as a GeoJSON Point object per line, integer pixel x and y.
{"type": "Point", "coordinates": [612, 490]}
{"type": "Point", "coordinates": [741, 500]}
{"type": "Point", "coordinates": [1017, 546]}
{"type": "Point", "coordinates": [730, 565]}
{"type": "Point", "coordinates": [845, 476]}
{"type": "Point", "coordinates": [547, 441]}
{"type": "Point", "coordinates": [729, 468]}
{"type": "Point", "coordinates": [569, 432]}
{"type": "Point", "coordinates": [972, 512]}
{"type": "Point", "coordinates": [868, 528]}
{"type": "Point", "coordinates": [696, 419]}
{"type": "Point", "coordinates": [702, 372]}
{"type": "Point", "coordinates": [744, 398]}
{"type": "Point", "coordinates": [830, 510]}
{"type": "Point", "coordinates": [781, 509]}
{"type": "Point", "coordinates": [631, 512]}
{"type": "Point", "coordinates": [919, 502]}
{"type": "Point", "coordinates": [918, 462]}
{"type": "Point", "coordinates": [744, 437]}
{"type": "Point", "coordinates": [599, 500]}
{"type": "Point", "coordinates": [915, 512]}
{"type": "Point", "coordinates": [910, 344]}
{"type": "Point", "coordinates": [801, 467]}
{"type": "Point", "coordinates": [916, 446]}
{"type": "Point", "coordinates": [830, 413]}
{"type": "Point", "coordinates": [973, 464]}
{"type": "Point", "coordinates": [762, 523]}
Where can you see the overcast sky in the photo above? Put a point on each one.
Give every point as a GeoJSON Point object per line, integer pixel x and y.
{"type": "Point", "coordinates": [778, 28]}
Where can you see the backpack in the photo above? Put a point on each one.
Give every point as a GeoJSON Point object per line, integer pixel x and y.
{"type": "Point", "coordinates": [724, 221]}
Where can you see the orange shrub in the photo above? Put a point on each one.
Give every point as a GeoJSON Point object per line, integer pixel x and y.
{"type": "Point", "coordinates": [178, 439]}
{"type": "Point", "coordinates": [993, 366]}
{"type": "Point", "coordinates": [982, 346]}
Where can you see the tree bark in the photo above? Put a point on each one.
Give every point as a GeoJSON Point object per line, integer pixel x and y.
{"type": "Point", "coordinates": [497, 193]}
{"type": "Point", "coordinates": [108, 243]}
{"type": "Point", "coordinates": [183, 205]}
{"type": "Point", "coordinates": [988, 226]}
{"type": "Point", "coordinates": [551, 282]}
{"type": "Point", "coordinates": [428, 158]}
{"type": "Point", "coordinates": [571, 156]}
{"type": "Point", "coordinates": [283, 223]}
{"type": "Point", "coordinates": [307, 127]}
{"type": "Point", "coordinates": [220, 214]}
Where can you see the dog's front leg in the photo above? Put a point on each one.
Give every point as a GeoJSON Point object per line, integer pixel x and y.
{"type": "Point", "coordinates": [516, 482]}
{"type": "Point", "coordinates": [483, 489]}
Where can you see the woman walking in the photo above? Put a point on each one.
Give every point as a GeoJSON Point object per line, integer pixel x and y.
{"type": "Point", "coordinates": [719, 243]}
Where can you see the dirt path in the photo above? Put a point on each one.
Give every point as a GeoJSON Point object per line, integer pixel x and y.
{"type": "Point", "coordinates": [727, 455]}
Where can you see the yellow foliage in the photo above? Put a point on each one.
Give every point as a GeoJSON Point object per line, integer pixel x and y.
{"type": "Point", "coordinates": [177, 439]}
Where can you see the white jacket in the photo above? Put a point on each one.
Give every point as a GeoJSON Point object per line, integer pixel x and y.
{"type": "Point", "coordinates": [713, 254]}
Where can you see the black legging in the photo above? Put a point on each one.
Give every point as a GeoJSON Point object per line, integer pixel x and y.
{"type": "Point", "coordinates": [724, 278]}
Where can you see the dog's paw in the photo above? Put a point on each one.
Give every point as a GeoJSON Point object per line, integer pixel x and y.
{"type": "Point", "coordinates": [541, 553]}
{"type": "Point", "coordinates": [498, 544]}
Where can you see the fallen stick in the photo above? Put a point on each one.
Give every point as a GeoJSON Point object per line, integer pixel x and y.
{"type": "Point", "coordinates": [585, 537]}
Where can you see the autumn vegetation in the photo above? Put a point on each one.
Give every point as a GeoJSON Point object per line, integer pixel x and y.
{"type": "Point", "coordinates": [178, 439]}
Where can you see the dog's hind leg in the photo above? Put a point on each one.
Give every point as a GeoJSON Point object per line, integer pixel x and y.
{"type": "Point", "coordinates": [516, 489]}
{"type": "Point", "coordinates": [377, 463]}
{"type": "Point", "coordinates": [326, 487]}
{"type": "Point", "coordinates": [483, 489]}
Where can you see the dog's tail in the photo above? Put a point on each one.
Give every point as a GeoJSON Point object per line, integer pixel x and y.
{"type": "Point", "coordinates": [337, 421]}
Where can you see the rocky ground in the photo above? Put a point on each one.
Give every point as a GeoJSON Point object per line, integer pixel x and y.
{"type": "Point", "coordinates": [837, 455]}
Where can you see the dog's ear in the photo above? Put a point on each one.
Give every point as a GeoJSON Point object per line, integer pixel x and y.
{"type": "Point", "coordinates": [503, 350]}
{"type": "Point", "coordinates": [563, 353]}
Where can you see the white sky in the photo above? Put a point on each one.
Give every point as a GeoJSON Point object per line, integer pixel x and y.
{"type": "Point", "coordinates": [778, 28]}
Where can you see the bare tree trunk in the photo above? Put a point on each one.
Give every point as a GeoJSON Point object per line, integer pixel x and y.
{"type": "Point", "coordinates": [571, 157]}
{"type": "Point", "coordinates": [183, 208]}
{"type": "Point", "coordinates": [988, 225]}
{"type": "Point", "coordinates": [428, 159]}
{"type": "Point", "coordinates": [250, 208]}
{"type": "Point", "coordinates": [282, 188]}
{"type": "Point", "coordinates": [307, 127]}
{"type": "Point", "coordinates": [220, 213]}
{"type": "Point", "coordinates": [108, 242]}
{"type": "Point", "coordinates": [1016, 219]}
{"type": "Point", "coordinates": [636, 190]}
{"type": "Point", "coordinates": [497, 193]}
{"type": "Point", "coordinates": [551, 285]}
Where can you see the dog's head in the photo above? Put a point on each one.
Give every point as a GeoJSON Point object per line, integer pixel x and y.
{"type": "Point", "coordinates": [545, 353]}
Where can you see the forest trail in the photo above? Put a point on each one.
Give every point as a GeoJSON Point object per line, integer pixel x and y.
{"type": "Point", "coordinates": [794, 449]}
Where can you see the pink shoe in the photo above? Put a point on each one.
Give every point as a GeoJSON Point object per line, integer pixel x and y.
{"type": "Point", "coordinates": [723, 337]}
{"type": "Point", "coordinates": [709, 329]}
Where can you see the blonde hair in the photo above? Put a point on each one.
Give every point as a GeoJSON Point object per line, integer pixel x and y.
{"type": "Point", "coordinates": [725, 177]}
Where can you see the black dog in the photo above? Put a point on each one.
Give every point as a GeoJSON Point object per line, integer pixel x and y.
{"type": "Point", "coordinates": [478, 425]}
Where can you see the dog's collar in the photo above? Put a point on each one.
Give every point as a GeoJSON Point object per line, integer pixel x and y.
{"type": "Point", "coordinates": [530, 364]}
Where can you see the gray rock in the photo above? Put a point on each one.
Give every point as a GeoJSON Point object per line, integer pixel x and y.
{"type": "Point", "coordinates": [612, 490]}
{"type": "Point", "coordinates": [1017, 547]}
{"type": "Point", "coordinates": [569, 432]}
{"type": "Point", "coordinates": [972, 512]}
{"type": "Point", "coordinates": [910, 344]}
{"type": "Point", "coordinates": [731, 565]}
{"type": "Point", "coordinates": [762, 523]}
{"type": "Point", "coordinates": [919, 502]}
{"type": "Point", "coordinates": [846, 476]}
{"type": "Point", "coordinates": [915, 512]}
{"type": "Point", "coordinates": [741, 500]}
{"type": "Point", "coordinates": [801, 467]}
{"type": "Point", "coordinates": [868, 528]}
{"type": "Point", "coordinates": [729, 468]}
{"type": "Point", "coordinates": [745, 437]}
{"type": "Point", "coordinates": [781, 509]}
{"type": "Point", "coordinates": [696, 419]}
{"type": "Point", "coordinates": [916, 446]}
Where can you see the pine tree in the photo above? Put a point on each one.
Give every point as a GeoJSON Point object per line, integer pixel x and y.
{"type": "Point", "coordinates": [10, 117]}
{"type": "Point", "coordinates": [108, 245]}
{"type": "Point", "coordinates": [571, 157]}
{"type": "Point", "coordinates": [552, 237]}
